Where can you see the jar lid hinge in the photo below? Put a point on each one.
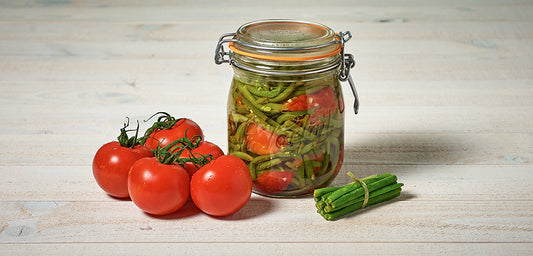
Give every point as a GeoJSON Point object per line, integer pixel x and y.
{"type": "Point", "coordinates": [219, 52]}
{"type": "Point", "coordinates": [347, 63]}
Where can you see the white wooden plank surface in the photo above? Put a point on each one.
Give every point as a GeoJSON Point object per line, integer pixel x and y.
{"type": "Point", "coordinates": [430, 182]}
{"type": "Point", "coordinates": [446, 91]}
{"type": "Point", "coordinates": [277, 248]}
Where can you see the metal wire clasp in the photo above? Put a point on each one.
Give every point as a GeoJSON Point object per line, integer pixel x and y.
{"type": "Point", "coordinates": [347, 63]}
{"type": "Point", "coordinates": [219, 52]}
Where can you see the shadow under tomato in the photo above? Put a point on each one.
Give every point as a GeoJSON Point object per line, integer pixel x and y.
{"type": "Point", "coordinates": [119, 198]}
{"type": "Point", "coordinates": [255, 207]}
{"type": "Point", "coordinates": [187, 210]}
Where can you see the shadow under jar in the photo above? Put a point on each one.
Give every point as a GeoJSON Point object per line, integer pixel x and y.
{"type": "Point", "coordinates": [285, 106]}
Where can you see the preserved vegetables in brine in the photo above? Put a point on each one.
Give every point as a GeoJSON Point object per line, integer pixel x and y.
{"type": "Point", "coordinates": [288, 130]}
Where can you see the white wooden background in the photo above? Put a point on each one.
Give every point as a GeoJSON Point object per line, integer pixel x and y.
{"type": "Point", "coordinates": [446, 91]}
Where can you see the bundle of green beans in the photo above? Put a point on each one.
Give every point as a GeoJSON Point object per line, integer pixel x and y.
{"type": "Point", "coordinates": [334, 202]}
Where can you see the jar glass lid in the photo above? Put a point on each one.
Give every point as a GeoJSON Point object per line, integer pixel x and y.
{"type": "Point", "coordinates": [285, 40]}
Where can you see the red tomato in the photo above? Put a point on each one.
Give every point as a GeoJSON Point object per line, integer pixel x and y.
{"type": "Point", "coordinates": [262, 141]}
{"type": "Point", "coordinates": [203, 148]}
{"type": "Point", "coordinates": [167, 136]}
{"type": "Point", "coordinates": [222, 187]}
{"type": "Point", "coordinates": [324, 102]}
{"type": "Point", "coordinates": [111, 165]}
{"type": "Point", "coordinates": [158, 188]}
{"type": "Point", "coordinates": [339, 162]}
{"type": "Point", "coordinates": [273, 182]}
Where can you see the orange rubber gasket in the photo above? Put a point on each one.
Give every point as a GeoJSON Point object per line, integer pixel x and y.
{"type": "Point", "coordinates": [279, 58]}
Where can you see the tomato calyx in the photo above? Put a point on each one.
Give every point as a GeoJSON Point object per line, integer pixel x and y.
{"type": "Point", "coordinates": [164, 122]}
{"type": "Point", "coordinates": [190, 143]}
{"type": "Point", "coordinates": [124, 140]}
{"type": "Point", "coordinates": [172, 153]}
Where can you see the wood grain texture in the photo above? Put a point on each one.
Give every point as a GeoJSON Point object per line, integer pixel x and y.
{"type": "Point", "coordinates": [262, 248]}
{"type": "Point", "coordinates": [446, 91]}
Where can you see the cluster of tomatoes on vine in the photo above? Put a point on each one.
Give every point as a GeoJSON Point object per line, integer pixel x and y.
{"type": "Point", "coordinates": [168, 165]}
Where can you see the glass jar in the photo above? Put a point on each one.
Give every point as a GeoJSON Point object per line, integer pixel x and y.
{"type": "Point", "coordinates": [285, 106]}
